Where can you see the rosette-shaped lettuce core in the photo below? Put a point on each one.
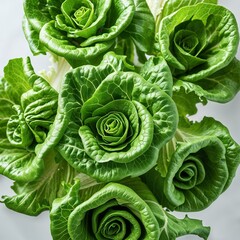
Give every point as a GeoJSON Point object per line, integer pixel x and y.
{"type": "Point", "coordinates": [112, 122]}
{"type": "Point", "coordinates": [195, 167]}
{"type": "Point", "coordinates": [117, 211]}
{"type": "Point", "coordinates": [139, 125]}
{"type": "Point", "coordinates": [83, 30]}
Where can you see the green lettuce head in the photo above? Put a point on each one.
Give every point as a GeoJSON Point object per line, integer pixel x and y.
{"type": "Point", "coordinates": [125, 210]}
{"type": "Point", "coordinates": [111, 121]}
{"type": "Point", "coordinates": [82, 30]}
{"type": "Point", "coordinates": [28, 106]}
{"type": "Point", "coordinates": [200, 42]}
{"type": "Point", "coordinates": [195, 167]}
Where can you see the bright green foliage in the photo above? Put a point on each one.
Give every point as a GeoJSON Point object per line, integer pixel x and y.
{"type": "Point", "coordinates": [156, 71]}
{"type": "Point", "coordinates": [33, 197]}
{"type": "Point", "coordinates": [103, 140]}
{"type": "Point", "coordinates": [27, 111]}
{"type": "Point", "coordinates": [195, 167]}
{"type": "Point", "coordinates": [199, 42]}
{"type": "Point", "coordinates": [172, 6]}
{"type": "Point", "coordinates": [126, 210]}
{"type": "Point", "coordinates": [82, 31]}
{"type": "Point", "coordinates": [116, 127]}
{"type": "Point", "coordinates": [28, 108]}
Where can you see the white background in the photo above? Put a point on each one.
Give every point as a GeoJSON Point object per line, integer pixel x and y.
{"type": "Point", "coordinates": [223, 215]}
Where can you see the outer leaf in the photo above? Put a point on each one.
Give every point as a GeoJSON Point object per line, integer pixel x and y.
{"type": "Point", "coordinates": [221, 86]}
{"type": "Point", "coordinates": [60, 211]}
{"type": "Point", "coordinates": [182, 92]}
{"type": "Point", "coordinates": [156, 71]}
{"type": "Point", "coordinates": [172, 6]}
{"type": "Point", "coordinates": [19, 163]}
{"type": "Point", "coordinates": [32, 37]}
{"type": "Point", "coordinates": [34, 197]}
{"type": "Point", "coordinates": [40, 105]}
{"type": "Point", "coordinates": [37, 13]}
{"type": "Point", "coordinates": [21, 70]}
{"type": "Point", "coordinates": [6, 102]}
{"type": "Point", "coordinates": [142, 22]}
{"type": "Point", "coordinates": [179, 227]}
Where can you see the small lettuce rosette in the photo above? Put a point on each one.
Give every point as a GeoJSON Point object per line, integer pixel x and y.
{"type": "Point", "coordinates": [195, 167]}
{"type": "Point", "coordinates": [117, 211]}
{"type": "Point", "coordinates": [111, 122]}
{"type": "Point", "coordinates": [200, 41]}
{"type": "Point", "coordinates": [27, 110]}
{"type": "Point", "coordinates": [83, 30]}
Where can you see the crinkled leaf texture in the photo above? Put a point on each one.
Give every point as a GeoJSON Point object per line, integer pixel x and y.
{"type": "Point", "coordinates": [32, 37]}
{"type": "Point", "coordinates": [172, 6]}
{"type": "Point", "coordinates": [221, 86]}
{"type": "Point", "coordinates": [198, 40]}
{"type": "Point", "coordinates": [82, 32]}
{"type": "Point", "coordinates": [156, 71]}
{"type": "Point", "coordinates": [147, 115]}
{"type": "Point", "coordinates": [195, 167]}
{"type": "Point", "coordinates": [33, 197]}
{"type": "Point", "coordinates": [27, 110]}
{"type": "Point", "coordinates": [126, 210]}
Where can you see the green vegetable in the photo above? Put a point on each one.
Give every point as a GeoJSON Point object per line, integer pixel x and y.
{"type": "Point", "coordinates": [27, 111]}
{"type": "Point", "coordinates": [199, 42]}
{"type": "Point", "coordinates": [117, 211]}
{"type": "Point", "coordinates": [104, 140]}
{"type": "Point", "coordinates": [195, 167]}
{"type": "Point", "coordinates": [116, 128]}
{"type": "Point", "coordinates": [172, 6]}
{"type": "Point", "coordinates": [80, 31]}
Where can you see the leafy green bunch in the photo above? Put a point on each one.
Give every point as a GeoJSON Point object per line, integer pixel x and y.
{"type": "Point", "coordinates": [109, 148]}
{"type": "Point", "coordinates": [82, 31]}
{"type": "Point", "coordinates": [28, 109]}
